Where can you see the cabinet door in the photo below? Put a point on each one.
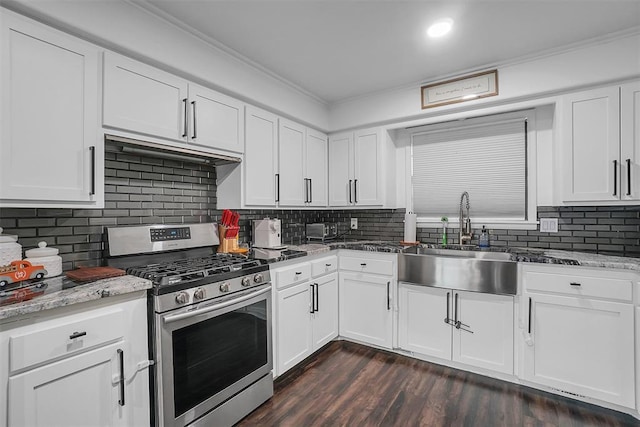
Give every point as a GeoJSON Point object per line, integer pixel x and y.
{"type": "Point", "coordinates": [316, 167]}
{"type": "Point", "coordinates": [485, 338]}
{"type": "Point", "coordinates": [143, 99]}
{"type": "Point", "coordinates": [291, 164]}
{"type": "Point", "coordinates": [368, 168]}
{"type": "Point", "coordinates": [325, 318]}
{"type": "Point", "coordinates": [341, 170]}
{"type": "Point", "coordinates": [217, 121]}
{"type": "Point", "coordinates": [591, 141]}
{"type": "Point", "coordinates": [49, 96]}
{"type": "Point", "coordinates": [261, 156]}
{"type": "Point", "coordinates": [79, 391]}
{"type": "Point", "coordinates": [582, 346]}
{"type": "Point", "coordinates": [365, 308]}
{"type": "Point", "coordinates": [630, 140]}
{"type": "Point", "coordinates": [294, 326]}
{"type": "Point", "coordinates": [421, 323]}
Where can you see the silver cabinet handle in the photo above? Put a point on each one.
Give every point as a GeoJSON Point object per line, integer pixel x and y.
{"type": "Point", "coordinates": [184, 134]}
{"type": "Point", "coordinates": [121, 358]}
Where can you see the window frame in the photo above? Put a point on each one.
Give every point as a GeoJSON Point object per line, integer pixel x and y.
{"type": "Point", "coordinates": [531, 221]}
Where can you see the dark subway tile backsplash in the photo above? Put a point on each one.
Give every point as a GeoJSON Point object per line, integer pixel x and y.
{"type": "Point", "coordinates": [147, 190]}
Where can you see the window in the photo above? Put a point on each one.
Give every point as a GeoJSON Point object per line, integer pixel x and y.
{"type": "Point", "coordinates": [487, 157]}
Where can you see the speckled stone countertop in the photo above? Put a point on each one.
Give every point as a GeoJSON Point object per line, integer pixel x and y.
{"type": "Point", "coordinates": [58, 294]}
{"type": "Point", "coordinates": [532, 255]}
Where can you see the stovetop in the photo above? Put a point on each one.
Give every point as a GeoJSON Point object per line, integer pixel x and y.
{"type": "Point", "coordinates": [192, 269]}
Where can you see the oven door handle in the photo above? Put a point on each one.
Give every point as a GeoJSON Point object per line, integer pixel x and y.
{"type": "Point", "coordinates": [214, 307]}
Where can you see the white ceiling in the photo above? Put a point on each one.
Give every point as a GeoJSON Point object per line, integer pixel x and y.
{"type": "Point", "coordinates": [341, 49]}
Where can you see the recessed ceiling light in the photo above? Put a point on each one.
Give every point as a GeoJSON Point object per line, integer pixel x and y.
{"type": "Point", "coordinates": [440, 28]}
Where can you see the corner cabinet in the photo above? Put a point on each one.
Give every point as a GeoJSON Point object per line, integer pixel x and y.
{"type": "Point", "coordinates": [306, 310]}
{"type": "Point", "coordinates": [578, 335]}
{"type": "Point", "coordinates": [471, 328]}
{"type": "Point", "coordinates": [51, 153]}
{"type": "Point", "coordinates": [367, 297]}
{"type": "Point", "coordinates": [145, 100]}
{"type": "Point", "coordinates": [601, 144]}
{"type": "Point", "coordinates": [356, 173]}
{"type": "Point", "coordinates": [66, 366]}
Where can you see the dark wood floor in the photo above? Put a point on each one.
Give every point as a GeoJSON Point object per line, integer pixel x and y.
{"type": "Point", "coordinates": [348, 384]}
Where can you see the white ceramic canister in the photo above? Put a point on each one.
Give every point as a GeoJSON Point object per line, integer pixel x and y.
{"type": "Point", "coordinates": [48, 257]}
{"type": "Point", "coordinates": [10, 249]}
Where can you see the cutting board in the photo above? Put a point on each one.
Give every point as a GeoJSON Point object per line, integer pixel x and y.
{"type": "Point", "coordinates": [90, 274]}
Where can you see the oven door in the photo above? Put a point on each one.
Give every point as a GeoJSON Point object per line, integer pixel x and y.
{"type": "Point", "coordinates": [209, 352]}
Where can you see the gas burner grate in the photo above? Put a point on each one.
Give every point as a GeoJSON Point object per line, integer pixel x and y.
{"type": "Point", "coordinates": [191, 269]}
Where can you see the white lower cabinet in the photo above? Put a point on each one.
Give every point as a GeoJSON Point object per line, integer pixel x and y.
{"type": "Point", "coordinates": [576, 341]}
{"type": "Point", "coordinates": [466, 327]}
{"type": "Point", "coordinates": [365, 308]}
{"type": "Point", "coordinates": [306, 311]}
{"type": "Point", "coordinates": [65, 368]}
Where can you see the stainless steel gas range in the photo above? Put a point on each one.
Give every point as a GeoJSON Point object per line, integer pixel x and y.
{"type": "Point", "coordinates": [210, 322]}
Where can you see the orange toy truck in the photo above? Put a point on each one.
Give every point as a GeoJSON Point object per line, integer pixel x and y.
{"type": "Point", "coordinates": [20, 270]}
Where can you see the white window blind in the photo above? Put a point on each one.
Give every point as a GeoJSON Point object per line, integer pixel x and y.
{"type": "Point", "coordinates": [488, 160]}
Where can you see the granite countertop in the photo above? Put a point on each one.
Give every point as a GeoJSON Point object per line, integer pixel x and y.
{"type": "Point", "coordinates": [61, 292]}
{"type": "Point", "coordinates": [532, 255]}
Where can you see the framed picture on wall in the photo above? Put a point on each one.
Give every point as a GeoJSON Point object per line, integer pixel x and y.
{"type": "Point", "coordinates": [474, 86]}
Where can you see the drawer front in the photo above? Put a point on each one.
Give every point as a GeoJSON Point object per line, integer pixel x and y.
{"type": "Point", "coordinates": [65, 339]}
{"type": "Point", "coordinates": [287, 276]}
{"type": "Point", "coordinates": [364, 265]}
{"type": "Point", "coordinates": [579, 284]}
{"type": "Point", "coordinates": [324, 266]}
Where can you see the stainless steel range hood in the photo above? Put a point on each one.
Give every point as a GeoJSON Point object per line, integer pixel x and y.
{"type": "Point", "coordinates": [152, 149]}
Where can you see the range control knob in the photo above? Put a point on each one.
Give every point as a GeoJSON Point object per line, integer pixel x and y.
{"type": "Point", "coordinates": [182, 298]}
{"type": "Point", "coordinates": [224, 287]}
{"type": "Point", "coordinates": [198, 294]}
{"type": "Point", "coordinates": [246, 281]}
{"type": "Point", "coordinates": [258, 278]}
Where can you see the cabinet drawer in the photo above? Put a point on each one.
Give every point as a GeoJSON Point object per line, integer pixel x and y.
{"type": "Point", "coordinates": [364, 265]}
{"type": "Point", "coordinates": [295, 274]}
{"type": "Point", "coordinates": [579, 283]}
{"type": "Point", "coordinates": [64, 339]}
{"type": "Point", "coordinates": [324, 266]}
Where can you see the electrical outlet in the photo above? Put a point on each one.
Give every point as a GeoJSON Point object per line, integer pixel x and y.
{"type": "Point", "coordinates": [549, 225]}
{"type": "Point", "coordinates": [354, 223]}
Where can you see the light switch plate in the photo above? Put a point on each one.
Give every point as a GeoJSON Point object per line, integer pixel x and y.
{"type": "Point", "coordinates": [354, 223]}
{"type": "Point", "coordinates": [548, 225]}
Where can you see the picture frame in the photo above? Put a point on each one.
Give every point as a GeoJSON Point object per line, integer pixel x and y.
{"type": "Point", "coordinates": [461, 89]}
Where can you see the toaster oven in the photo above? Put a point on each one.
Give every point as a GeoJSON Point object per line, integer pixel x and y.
{"type": "Point", "coordinates": [322, 231]}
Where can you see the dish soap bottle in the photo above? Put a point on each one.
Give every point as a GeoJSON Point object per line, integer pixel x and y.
{"type": "Point", "coordinates": [483, 242]}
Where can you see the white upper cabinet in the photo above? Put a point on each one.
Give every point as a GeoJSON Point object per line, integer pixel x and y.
{"type": "Point", "coordinates": [50, 151]}
{"type": "Point", "coordinates": [142, 99]}
{"type": "Point", "coordinates": [600, 134]}
{"type": "Point", "coordinates": [261, 158]}
{"type": "Point", "coordinates": [356, 168]}
{"type": "Point", "coordinates": [217, 120]}
{"type": "Point", "coordinates": [316, 168]}
{"type": "Point", "coordinates": [292, 182]}
{"type": "Point", "coordinates": [302, 166]}
{"type": "Point", "coordinates": [630, 140]}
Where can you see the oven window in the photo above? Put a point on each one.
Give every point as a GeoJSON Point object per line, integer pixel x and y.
{"type": "Point", "coordinates": [211, 355]}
